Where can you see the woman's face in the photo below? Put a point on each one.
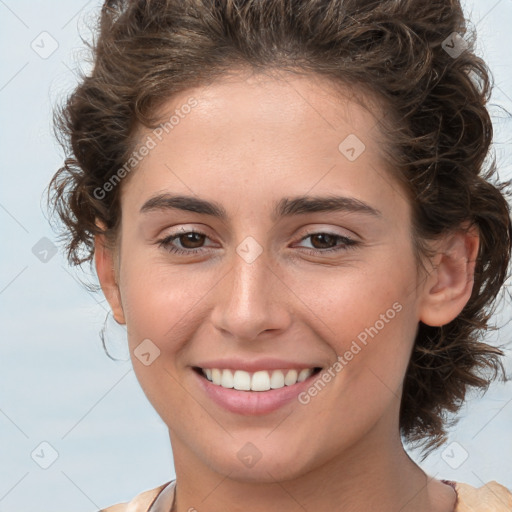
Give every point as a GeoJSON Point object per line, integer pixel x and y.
{"type": "Point", "coordinates": [304, 260]}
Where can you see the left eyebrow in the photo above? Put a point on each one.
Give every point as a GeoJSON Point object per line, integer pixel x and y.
{"type": "Point", "coordinates": [310, 204]}
{"type": "Point", "coordinates": [285, 207]}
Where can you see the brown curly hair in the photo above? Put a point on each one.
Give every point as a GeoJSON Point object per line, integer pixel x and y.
{"type": "Point", "coordinates": [439, 127]}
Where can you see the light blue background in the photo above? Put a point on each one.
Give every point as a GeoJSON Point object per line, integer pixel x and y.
{"type": "Point", "coordinates": [56, 383]}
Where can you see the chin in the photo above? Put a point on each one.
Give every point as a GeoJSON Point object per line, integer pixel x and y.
{"type": "Point", "coordinates": [259, 461]}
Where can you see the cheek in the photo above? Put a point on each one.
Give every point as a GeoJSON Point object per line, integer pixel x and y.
{"type": "Point", "coordinates": [365, 313]}
{"type": "Point", "coordinates": [343, 305]}
{"type": "Point", "coordinates": [159, 305]}
{"type": "Point", "coordinates": [369, 319]}
{"type": "Point", "coordinates": [159, 300]}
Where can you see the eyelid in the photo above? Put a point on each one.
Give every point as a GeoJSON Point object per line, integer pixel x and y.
{"type": "Point", "coordinates": [346, 233]}
{"type": "Point", "coordinates": [184, 229]}
{"type": "Point", "coordinates": [347, 242]}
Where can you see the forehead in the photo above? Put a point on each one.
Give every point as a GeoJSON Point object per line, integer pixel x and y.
{"type": "Point", "coordinates": [271, 101]}
{"type": "Point", "coordinates": [261, 130]}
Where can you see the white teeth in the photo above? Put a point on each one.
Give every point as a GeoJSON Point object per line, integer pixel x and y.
{"type": "Point", "coordinates": [216, 376]}
{"type": "Point", "coordinates": [227, 379]}
{"type": "Point", "coordinates": [258, 381]}
{"type": "Point", "coordinates": [291, 377]}
{"type": "Point", "coordinates": [242, 381]}
{"type": "Point", "coordinates": [304, 374]}
{"type": "Point", "coordinates": [277, 379]}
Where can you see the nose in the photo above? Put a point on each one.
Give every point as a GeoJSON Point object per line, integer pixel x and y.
{"type": "Point", "coordinates": [251, 299]}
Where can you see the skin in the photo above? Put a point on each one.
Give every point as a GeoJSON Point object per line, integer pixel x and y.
{"type": "Point", "coordinates": [250, 141]}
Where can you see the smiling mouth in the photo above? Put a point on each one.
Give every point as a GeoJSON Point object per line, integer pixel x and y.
{"type": "Point", "coordinates": [262, 380]}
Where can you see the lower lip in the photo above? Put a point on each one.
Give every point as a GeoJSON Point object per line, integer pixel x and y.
{"type": "Point", "coordinates": [253, 402]}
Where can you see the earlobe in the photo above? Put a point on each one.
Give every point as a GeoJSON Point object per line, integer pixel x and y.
{"type": "Point", "coordinates": [450, 283]}
{"type": "Point", "coordinates": [105, 269]}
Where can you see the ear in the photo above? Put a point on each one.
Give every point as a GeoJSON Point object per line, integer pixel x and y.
{"type": "Point", "coordinates": [105, 268]}
{"type": "Point", "coordinates": [448, 286]}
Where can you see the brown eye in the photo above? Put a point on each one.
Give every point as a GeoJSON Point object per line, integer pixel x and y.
{"type": "Point", "coordinates": [326, 241]}
{"type": "Point", "coordinates": [189, 242]}
{"type": "Point", "coordinates": [322, 243]}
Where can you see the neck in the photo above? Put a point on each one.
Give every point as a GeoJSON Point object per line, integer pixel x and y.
{"type": "Point", "coordinates": [372, 475]}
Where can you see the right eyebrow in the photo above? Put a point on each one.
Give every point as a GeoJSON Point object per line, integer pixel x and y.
{"type": "Point", "coordinates": [186, 203]}
{"type": "Point", "coordinates": [286, 207]}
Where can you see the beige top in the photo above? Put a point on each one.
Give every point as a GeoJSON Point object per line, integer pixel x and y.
{"type": "Point", "coordinates": [491, 497]}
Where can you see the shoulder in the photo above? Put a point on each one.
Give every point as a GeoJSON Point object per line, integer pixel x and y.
{"type": "Point", "coordinates": [140, 503]}
{"type": "Point", "coordinates": [491, 497]}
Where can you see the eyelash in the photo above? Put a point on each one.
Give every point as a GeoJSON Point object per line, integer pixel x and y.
{"type": "Point", "coordinates": [348, 243]}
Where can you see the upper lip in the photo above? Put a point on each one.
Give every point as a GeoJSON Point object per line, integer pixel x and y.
{"type": "Point", "coordinates": [255, 364]}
